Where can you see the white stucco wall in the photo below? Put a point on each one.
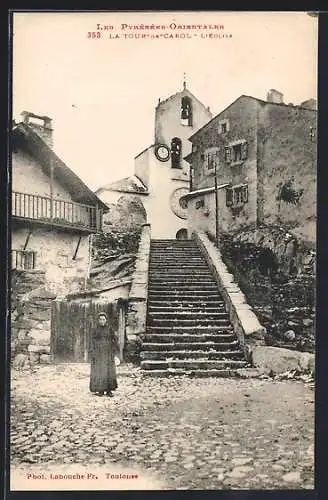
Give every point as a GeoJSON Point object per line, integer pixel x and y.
{"type": "Point", "coordinates": [141, 166]}
{"type": "Point", "coordinates": [164, 223]}
{"type": "Point", "coordinates": [28, 177]}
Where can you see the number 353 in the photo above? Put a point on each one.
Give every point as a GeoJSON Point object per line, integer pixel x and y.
{"type": "Point", "coordinates": [94, 34]}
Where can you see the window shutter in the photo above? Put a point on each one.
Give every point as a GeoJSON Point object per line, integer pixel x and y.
{"type": "Point", "coordinates": [245, 194]}
{"type": "Point", "coordinates": [227, 155]}
{"type": "Point", "coordinates": [229, 194]}
{"type": "Point", "coordinates": [244, 150]}
{"type": "Point", "coordinates": [217, 158]}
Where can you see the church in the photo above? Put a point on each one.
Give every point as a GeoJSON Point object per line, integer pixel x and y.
{"type": "Point", "coordinates": [161, 174]}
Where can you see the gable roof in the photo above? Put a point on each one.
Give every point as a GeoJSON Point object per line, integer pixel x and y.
{"type": "Point", "coordinates": [130, 184]}
{"type": "Point", "coordinates": [29, 140]}
{"type": "Point", "coordinates": [256, 99]}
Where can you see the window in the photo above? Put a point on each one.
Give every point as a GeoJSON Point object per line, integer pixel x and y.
{"type": "Point", "coordinates": [227, 155]}
{"type": "Point", "coordinates": [186, 111]}
{"type": "Point", "coordinates": [23, 259]}
{"type": "Point", "coordinates": [236, 152]}
{"type": "Point", "coordinates": [176, 149]}
{"type": "Point", "coordinates": [211, 159]}
{"type": "Point", "coordinates": [199, 204]}
{"type": "Point", "coordinates": [224, 126]}
{"type": "Point", "coordinates": [244, 150]}
{"type": "Point", "coordinates": [229, 196]}
{"type": "Point", "coordinates": [236, 196]}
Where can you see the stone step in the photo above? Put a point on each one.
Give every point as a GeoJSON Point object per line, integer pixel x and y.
{"type": "Point", "coordinates": [177, 266]}
{"type": "Point", "coordinates": [168, 337]}
{"type": "Point", "coordinates": [191, 329]}
{"type": "Point", "coordinates": [191, 354]}
{"type": "Point", "coordinates": [173, 298]}
{"type": "Point", "coordinates": [190, 346]}
{"type": "Point", "coordinates": [186, 315]}
{"type": "Point", "coordinates": [173, 242]}
{"type": "Point", "coordinates": [175, 276]}
{"type": "Point", "coordinates": [175, 257]}
{"type": "Point", "coordinates": [228, 373]}
{"type": "Point", "coordinates": [171, 322]}
{"type": "Point", "coordinates": [191, 364]}
{"type": "Point", "coordinates": [185, 309]}
{"type": "Point", "coordinates": [178, 289]}
{"type": "Point", "coordinates": [187, 303]}
{"type": "Point", "coordinates": [176, 271]}
{"type": "Point", "coordinates": [164, 252]}
{"type": "Point", "coordinates": [180, 274]}
{"type": "Point", "coordinates": [168, 259]}
{"type": "Point", "coordinates": [201, 283]}
{"type": "Point", "coordinates": [184, 293]}
{"type": "Point", "coordinates": [175, 251]}
{"type": "Point", "coordinates": [187, 280]}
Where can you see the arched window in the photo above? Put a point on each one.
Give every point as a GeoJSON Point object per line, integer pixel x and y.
{"type": "Point", "coordinates": [186, 111]}
{"type": "Point", "coordinates": [176, 150]}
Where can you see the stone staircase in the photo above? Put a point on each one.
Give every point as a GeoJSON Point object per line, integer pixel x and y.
{"type": "Point", "coordinates": [188, 329]}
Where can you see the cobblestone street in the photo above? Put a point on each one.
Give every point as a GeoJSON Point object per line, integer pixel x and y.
{"type": "Point", "coordinates": [176, 433]}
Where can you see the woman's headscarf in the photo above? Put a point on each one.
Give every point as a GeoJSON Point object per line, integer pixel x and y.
{"type": "Point", "coordinates": [102, 314]}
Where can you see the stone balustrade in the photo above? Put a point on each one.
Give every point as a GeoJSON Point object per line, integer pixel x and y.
{"type": "Point", "coordinates": [245, 323]}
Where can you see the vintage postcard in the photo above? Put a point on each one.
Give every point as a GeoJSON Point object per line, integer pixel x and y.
{"type": "Point", "coordinates": [163, 226]}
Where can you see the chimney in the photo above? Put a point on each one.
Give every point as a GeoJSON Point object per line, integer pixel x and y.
{"type": "Point", "coordinates": [309, 104]}
{"type": "Point", "coordinates": [275, 96]}
{"type": "Point", "coordinates": [42, 125]}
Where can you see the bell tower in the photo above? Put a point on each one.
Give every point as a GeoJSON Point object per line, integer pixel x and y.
{"type": "Point", "coordinates": [176, 119]}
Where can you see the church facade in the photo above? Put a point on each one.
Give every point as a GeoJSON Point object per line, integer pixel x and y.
{"type": "Point", "coordinates": [161, 174]}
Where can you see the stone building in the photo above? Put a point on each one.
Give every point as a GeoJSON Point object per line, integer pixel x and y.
{"type": "Point", "coordinates": [161, 174]}
{"type": "Point", "coordinates": [53, 211]}
{"type": "Point", "coordinates": [53, 215]}
{"type": "Point", "coordinates": [263, 155]}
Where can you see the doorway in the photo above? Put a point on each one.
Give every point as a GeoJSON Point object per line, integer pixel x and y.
{"type": "Point", "coordinates": [182, 234]}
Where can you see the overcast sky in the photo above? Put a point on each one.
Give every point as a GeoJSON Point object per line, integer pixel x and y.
{"type": "Point", "coordinates": [101, 93]}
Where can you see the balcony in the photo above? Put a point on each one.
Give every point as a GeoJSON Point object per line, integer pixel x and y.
{"type": "Point", "coordinates": [60, 213]}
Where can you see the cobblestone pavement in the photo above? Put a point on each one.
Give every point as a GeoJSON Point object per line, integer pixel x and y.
{"type": "Point", "coordinates": [177, 433]}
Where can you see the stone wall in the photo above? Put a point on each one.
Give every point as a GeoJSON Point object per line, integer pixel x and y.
{"type": "Point", "coordinates": [287, 156]}
{"type": "Point", "coordinates": [128, 212]}
{"type": "Point", "coordinates": [30, 319]}
{"type": "Point", "coordinates": [276, 272]}
{"type": "Point", "coordinates": [55, 250]}
{"type": "Point", "coordinates": [137, 304]}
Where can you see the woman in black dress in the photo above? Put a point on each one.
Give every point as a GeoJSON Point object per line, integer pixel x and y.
{"type": "Point", "coordinates": [103, 347]}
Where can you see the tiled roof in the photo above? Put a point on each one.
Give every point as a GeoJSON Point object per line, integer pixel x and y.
{"type": "Point", "coordinates": [33, 143]}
